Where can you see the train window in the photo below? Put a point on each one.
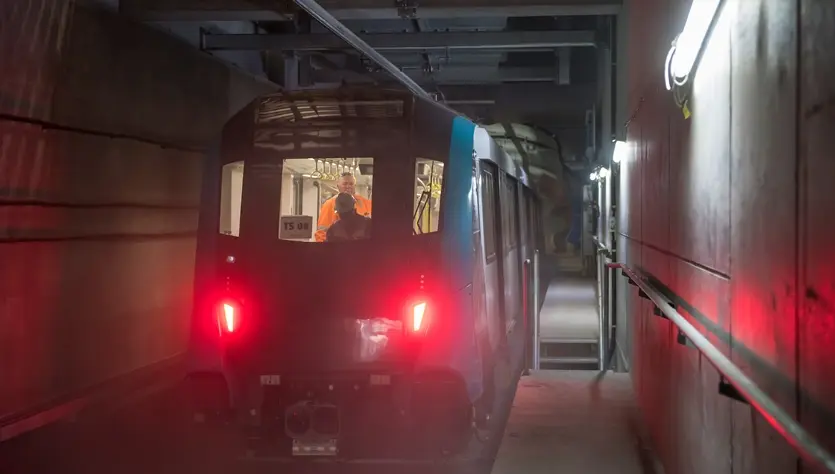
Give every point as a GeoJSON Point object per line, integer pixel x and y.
{"type": "Point", "coordinates": [488, 206]}
{"type": "Point", "coordinates": [309, 207]}
{"type": "Point", "coordinates": [231, 191]}
{"type": "Point", "coordinates": [429, 181]}
{"type": "Point", "coordinates": [513, 213]}
{"type": "Point", "coordinates": [530, 217]}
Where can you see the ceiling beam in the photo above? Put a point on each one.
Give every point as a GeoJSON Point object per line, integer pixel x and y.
{"type": "Point", "coordinates": [549, 104]}
{"type": "Point", "coordinates": [482, 40]}
{"type": "Point", "coordinates": [549, 95]}
{"type": "Point", "coordinates": [239, 10]}
{"type": "Point", "coordinates": [519, 102]}
{"type": "Point", "coordinates": [451, 75]}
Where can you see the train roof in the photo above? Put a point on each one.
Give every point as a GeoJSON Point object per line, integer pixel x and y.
{"type": "Point", "coordinates": [327, 107]}
{"type": "Point", "coordinates": [340, 103]}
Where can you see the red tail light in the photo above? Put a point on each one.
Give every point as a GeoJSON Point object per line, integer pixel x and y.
{"type": "Point", "coordinates": [418, 310]}
{"type": "Point", "coordinates": [417, 317]}
{"type": "Point", "coordinates": [229, 316]}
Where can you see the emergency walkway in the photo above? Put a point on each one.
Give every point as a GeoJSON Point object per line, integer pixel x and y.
{"type": "Point", "coordinates": [569, 328]}
{"type": "Point", "coordinates": [571, 421]}
{"type": "Point", "coordinates": [566, 422]}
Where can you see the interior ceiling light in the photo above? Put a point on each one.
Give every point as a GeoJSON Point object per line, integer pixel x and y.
{"type": "Point", "coordinates": [688, 44]}
{"type": "Point", "coordinates": [603, 173]}
{"type": "Point", "coordinates": [593, 176]}
{"type": "Point", "coordinates": [619, 154]}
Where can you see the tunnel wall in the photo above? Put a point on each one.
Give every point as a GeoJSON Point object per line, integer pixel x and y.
{"type": "Point", "coordinates": [103, 129]}
{"type": "Point", "coordinates": [731, 212]}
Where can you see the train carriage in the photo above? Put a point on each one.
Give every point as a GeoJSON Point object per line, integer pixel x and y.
{"type": "Point", "coordinates": [396, 345]}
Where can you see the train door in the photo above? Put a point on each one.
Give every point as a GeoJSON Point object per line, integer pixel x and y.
{"type": "Point", "coordinates": [493, 293]}
{"type": "Point", "coordinates": [525, 253]}
{"type": "Point", "coordinates": [484, 326]}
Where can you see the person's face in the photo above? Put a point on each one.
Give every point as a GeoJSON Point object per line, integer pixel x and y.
{"type": "Point", "coordinates": [346, 184]}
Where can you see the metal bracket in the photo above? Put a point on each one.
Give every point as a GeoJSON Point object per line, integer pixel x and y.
{"type": "Point", "coordinates": [728, 390]}
{"type": "Point", "coordinates": [683, 340]}
{"type": "Point", "coordinates": [657, 311]}
{"type": "Point", "coordinates": [202, 41]}
{"type": "Point", "coordinates": [406, 9]}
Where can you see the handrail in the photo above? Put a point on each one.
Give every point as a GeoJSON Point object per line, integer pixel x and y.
{"type": "Point", "coordinates": [778, 418]}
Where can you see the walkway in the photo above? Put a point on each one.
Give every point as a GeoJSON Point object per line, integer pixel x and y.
{"type": "Point", "coordinates": [560, 424]}
{"type": "Point", "coordinates": [569, 311]}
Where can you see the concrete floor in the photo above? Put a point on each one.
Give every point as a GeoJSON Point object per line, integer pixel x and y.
{"type": "Point", "coordinates": [569, 310]}
{"type": "Point", "coordinates": [559, 423]}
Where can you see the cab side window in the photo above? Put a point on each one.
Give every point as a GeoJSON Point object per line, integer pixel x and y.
{"type": "Point", "coordinates": [426, 212]}
{"type": "Point", "coordinates": [231, 192]}
{"type": "Point", "coordinates": [488, 206]}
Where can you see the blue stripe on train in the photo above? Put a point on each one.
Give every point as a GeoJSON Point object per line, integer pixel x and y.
{"type": "Point", "coordinates": [458, 218]}
{"type": "Point", "coordinates": [458, 253]}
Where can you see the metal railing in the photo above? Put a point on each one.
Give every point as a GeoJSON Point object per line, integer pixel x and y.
{"type": "Point", "coordinates": [602, 249]}
{"type": "Point", "coordinates": [604, 318]}
{"type": "Point", "coordinates": [781, 420]}
{"type": "Point", "coordinates": [535, 356]}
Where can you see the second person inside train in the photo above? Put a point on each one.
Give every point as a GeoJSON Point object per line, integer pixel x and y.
{"type": "Point", "coordinates": [327, 214]}
{"type": "Point", "coordinates": [350, 226]}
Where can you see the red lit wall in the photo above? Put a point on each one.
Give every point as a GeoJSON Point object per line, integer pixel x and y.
{"type": "Point", "coordinates": [732, 210]}
{"type": "Point", "coordinates": [102, 129]}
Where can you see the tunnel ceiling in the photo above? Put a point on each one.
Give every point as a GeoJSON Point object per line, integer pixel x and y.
{"type": "Point", "coordinates": [516, 64]}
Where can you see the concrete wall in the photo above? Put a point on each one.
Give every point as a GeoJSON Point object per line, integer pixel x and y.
{"type": "Point", "coordinates": [731, 211]}
{"type": "Point", "coordinates": [103, 124]}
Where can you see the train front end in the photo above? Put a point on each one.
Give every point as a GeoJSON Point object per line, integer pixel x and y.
{"type": "Point", "coordinates": [337, 348]}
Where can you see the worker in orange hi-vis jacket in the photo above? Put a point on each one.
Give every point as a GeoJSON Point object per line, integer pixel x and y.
{"type": "Point", "coordinates": [327, 215]}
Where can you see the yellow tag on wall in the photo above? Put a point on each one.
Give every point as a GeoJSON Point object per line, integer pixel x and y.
{"type": "Point", "coordinates": [685, 110]}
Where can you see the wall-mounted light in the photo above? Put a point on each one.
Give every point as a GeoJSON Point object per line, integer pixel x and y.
{"type": "Point", "coordinates": [599, 173]}
{"type": "Point", "coordinates": [685, 50]}
{"type": "Point", "coordinates": [620, 151]}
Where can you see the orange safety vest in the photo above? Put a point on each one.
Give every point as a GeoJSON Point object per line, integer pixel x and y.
{"type": "Point", "coordinates": [328, 215]}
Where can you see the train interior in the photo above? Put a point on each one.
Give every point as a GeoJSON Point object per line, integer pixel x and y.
{"type": "Point", "coordinates": [307, 183]}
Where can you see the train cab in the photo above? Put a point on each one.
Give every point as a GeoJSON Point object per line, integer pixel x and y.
{"type": "Point", "coordinates": [337, 342]}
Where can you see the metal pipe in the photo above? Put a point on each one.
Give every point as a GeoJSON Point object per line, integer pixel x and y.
{"type": "Point", "coordinates": [198, 11]}
{"type": "Point", "coordinates": [527, 294]}
{"type": "Point", "coordinates": [535, 322]}
{"type": "Point", "coordinates": [603, 339]}
{"type": "Point", "coordinates": [778, 418]}
{"type": "Point", "coordinates": [471, 102]}
{"type": "Point", "coordinates": [331, 23]}
{"type": "Point", "coordinates": [603, 253]}
{"type": "Point", "coordinates": [443, 41]}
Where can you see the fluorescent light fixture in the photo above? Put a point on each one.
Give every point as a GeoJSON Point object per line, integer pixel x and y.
{"type": "Point", "coordinates": [619, 154]}
{"type": "Point", "coordinates": [603, 173]}
{"type": "Point", "coordinates": [688, 44]}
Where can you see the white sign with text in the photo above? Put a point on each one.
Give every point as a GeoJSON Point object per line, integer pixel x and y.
{"type": "Point", "coordinates": [295, 228]}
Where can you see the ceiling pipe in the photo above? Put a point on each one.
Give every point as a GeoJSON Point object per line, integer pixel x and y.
{"type": "Point", "coordinates": [328, 21]}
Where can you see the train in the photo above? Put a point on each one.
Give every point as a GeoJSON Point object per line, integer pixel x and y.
{"type": "Point", "coordinates": [406, 344]}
